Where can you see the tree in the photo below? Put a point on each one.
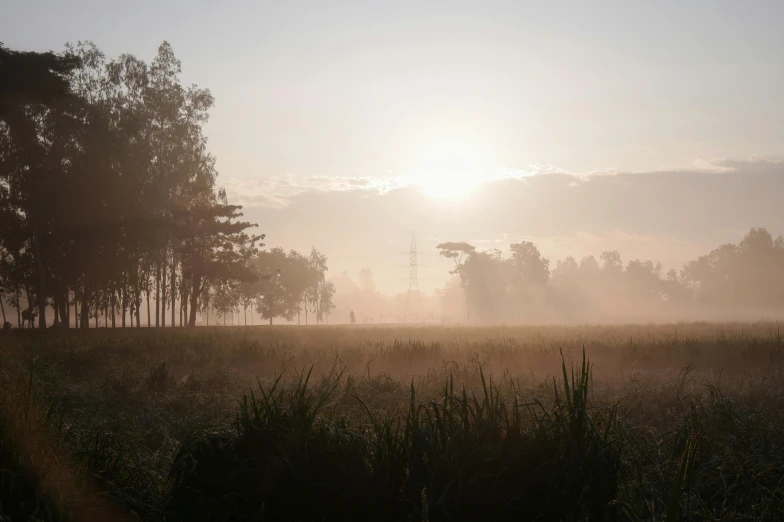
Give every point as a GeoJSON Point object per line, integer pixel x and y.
{"type": "Point", "coordinates": [281, 288]}
{"type": "Point", "coordinates": [106, 184]}
{"type": "Point", "coordinates": [567, 270]}
{"type": "Point", "coordinates": [214, 248]}
{"type": "Point", "coordinates": [31, 85]}
{"type": "Point", "coordinates": [326, 293]}
{"type": "Point", "coordinates": [458, 252]}
{"type": "Point", "coordinates": [530, 268]}
{"type": "Point", "coordinates": [318, 268]}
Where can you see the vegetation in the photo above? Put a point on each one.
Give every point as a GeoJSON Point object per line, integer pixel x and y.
{"type": "Point", "coordinates": [109, 207]}
{"type": "Point", "coordinates": [109, 201]}
{"type": "Point", "coordinates": [731, 281]}
{"type": "Point", "coordinates": [670, 422]}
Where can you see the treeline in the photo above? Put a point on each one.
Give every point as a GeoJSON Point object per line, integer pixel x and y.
{"type": "Point", "coordinates": [293, 286]}
{"type": "Point", "coordinates": [108, 199]}
{"type": "Point", "coordinates": [731, 279]}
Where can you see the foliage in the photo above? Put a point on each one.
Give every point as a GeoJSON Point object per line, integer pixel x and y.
{"type": "Point", "coordinates": [682, 422]}
{"type": "Point", "coordinates": [729, 280]}
{"type": "Point", "coordinates": [108, 192]}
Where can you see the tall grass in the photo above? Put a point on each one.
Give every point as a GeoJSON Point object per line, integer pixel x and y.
{"type": "Point", "coordinates": [492, 456]}
{"type": "Point", "coordinates": [682, 423]}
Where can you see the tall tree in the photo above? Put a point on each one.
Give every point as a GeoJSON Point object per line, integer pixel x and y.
{"type": "Point", "coordinates": [31, 86]}
{"type": "Point", "coordinates": [215, 247]}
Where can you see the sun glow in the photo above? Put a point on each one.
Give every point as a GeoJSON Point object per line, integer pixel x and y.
{"type": "Point", "coordinates": [450, 170]}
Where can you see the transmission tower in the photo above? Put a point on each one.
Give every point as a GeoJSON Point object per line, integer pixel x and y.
{"type": "Point", "coordinates": [413, 280]}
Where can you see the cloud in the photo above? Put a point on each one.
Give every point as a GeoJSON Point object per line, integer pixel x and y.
{"type": "Point", "coordinates": [752, 164]}
{"type": "Point", "coordinates": [278, 191]}
{"type": "Point", "coordinates": [668, 216]}
{"type": "Point", "coordinates": [536, 169]}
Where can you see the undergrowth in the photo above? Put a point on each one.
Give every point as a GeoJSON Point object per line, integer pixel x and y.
{"type": "Point", "coordinates": [165, 429]}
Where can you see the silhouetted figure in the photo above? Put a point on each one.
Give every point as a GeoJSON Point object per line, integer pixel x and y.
{"type": "Point", "coordinates": [352, 317]}
{"type": "Point", "coordinates": [28, 316]}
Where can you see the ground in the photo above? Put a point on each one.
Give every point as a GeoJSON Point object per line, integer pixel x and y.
{"type": "Point", "coordinates": [658, 422]}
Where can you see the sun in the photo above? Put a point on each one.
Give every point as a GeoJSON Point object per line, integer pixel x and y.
{"type": "Point", "coordinates": [450, 170]}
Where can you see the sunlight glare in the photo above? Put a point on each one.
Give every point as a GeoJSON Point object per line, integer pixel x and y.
{"type": "Point", "coordinates": [450, 171]}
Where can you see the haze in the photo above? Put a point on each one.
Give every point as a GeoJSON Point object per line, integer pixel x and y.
{"type": "Point", "coordinates": [654, 129]}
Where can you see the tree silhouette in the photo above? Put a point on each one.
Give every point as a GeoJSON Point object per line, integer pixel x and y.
{"type": "Point", "coordinates": [31, 86]}
{"type": "Point", "coordinates": [108, 192]}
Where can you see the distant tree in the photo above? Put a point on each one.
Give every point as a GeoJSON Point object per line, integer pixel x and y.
{"type": "Point", "coordinates": [458, 252]}
{"type": "Point", "coordinates": [643, 281]}
{"type": "Point", "coordinates": [566, 270]}
{"type": "Point", "coordinates": [318, 269]}
{"type": "Point", "coordinates": [366, 283]}
{"type": "Point", "coordinates": [326, 293]}
{"type": "Point", "coordinates": [676, 292]}
{"type": "Point", "coordinates": [611, 262]}
{"type": "Point", "coordinates": [279, 291]}
{"type": "Point", "coordinates": [214, 247]}
{"type": "Point", "coordinates": [529, 267]}
{"type": "Point", "coordinates": [589, 268]}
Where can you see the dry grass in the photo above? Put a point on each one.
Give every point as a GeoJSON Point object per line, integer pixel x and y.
{"type": "Point", "coordinates": [670, 422]}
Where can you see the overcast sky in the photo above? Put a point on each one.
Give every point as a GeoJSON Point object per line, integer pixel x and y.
{"type": "Point", "coordinates": [327, 112]}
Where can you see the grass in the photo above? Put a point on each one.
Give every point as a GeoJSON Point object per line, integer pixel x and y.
{"type": "Point", "coordinates": [638, 422]}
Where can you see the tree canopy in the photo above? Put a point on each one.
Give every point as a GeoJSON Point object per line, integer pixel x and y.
{"type": "Point", "coordinates": [108, 194]}
{"type": "Point", "coordinates": [731, 279]}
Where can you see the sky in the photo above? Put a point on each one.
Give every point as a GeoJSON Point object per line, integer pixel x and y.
{"type": "Point", "coordinates": [651, 128]}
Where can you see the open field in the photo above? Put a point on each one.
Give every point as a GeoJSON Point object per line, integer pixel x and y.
{"type": "Point", "coordinates": [672, 422]}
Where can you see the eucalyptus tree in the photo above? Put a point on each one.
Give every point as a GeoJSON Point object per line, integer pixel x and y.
{"type": "Point", "coordinates": [32, 87]}
{"type": "Point", "coordinates": [107, 189]}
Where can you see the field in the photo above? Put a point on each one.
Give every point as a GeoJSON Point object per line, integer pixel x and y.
{"type": "Point", "coordinates": [670, 422]}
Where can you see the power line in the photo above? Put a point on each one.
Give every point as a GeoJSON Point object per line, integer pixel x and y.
{"type": "Point", "coordinates": [413, 279]}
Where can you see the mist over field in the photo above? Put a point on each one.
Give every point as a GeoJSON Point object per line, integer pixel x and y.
{"type": "Point", "coordinates": [391, 261]}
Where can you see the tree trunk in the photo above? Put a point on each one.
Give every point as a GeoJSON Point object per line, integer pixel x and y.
{"type": "Point", "coordinates": [147, 295]}
{"type": "Point", "coordinates": [158, 295]}
{"type": "Point", "coordinates": [163, 294]}
{"type": "Point", "coordinates": [18, 308]}
{"type": "Point", "coordinates": [139, 308]}
{"type": "Point", "coordinates": [194, 298]}
{"type": "Point", "coordinates": [64, 309]}
{"type": "Point", "coordinates": [105, 315]}
{"type": "Point", "coordinates": [114, 302]}
{"type": "Point", "coordinates": [173, 286]}
{"type": "Point", "coordinates": [270, 320]}
{"type": "Point", "coordinates": [39, 267]}
{"type": "Point", "coordinates": [85, 315]}
{"type": "Point", "coordinates": [185, 299]}
{"type": "Point", "coordinates": [29, 305]}
{"type": "Point", "coordinates": [123, 305]}
{"type": "Point", "coordinates": [76, 310]}
{"type": "Point", "coordinates": [2, 306]}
